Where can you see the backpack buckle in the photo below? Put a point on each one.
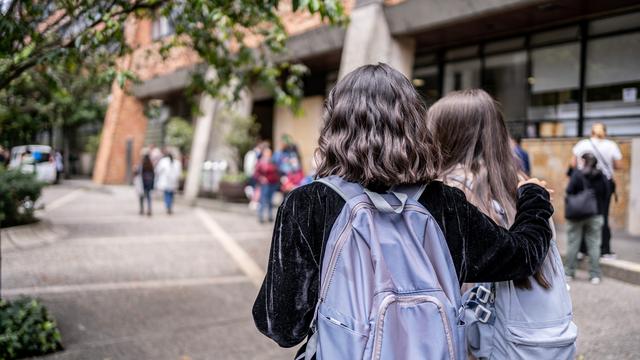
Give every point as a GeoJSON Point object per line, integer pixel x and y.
{"type": "Point", "coordinates": [482, 313]}
{"type": "Point", "coordinates": [483, 294]}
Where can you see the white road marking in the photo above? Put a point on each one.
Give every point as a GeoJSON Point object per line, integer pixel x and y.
{"type": "Point", "coordinates": [63, 200]}
{"type": "Point", "coordinates": [124, 285]}
{"type": "Point", "coordinates": [242, 259]}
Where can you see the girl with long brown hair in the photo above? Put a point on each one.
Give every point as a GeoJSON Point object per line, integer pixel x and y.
{"type": "Point", "coordinates": [477, 158]}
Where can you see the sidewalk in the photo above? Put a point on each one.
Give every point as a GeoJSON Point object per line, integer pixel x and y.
{"type": "Point", "coordinates": [182, 286]}
{"type": "Point", "coordinates": [626, 266]}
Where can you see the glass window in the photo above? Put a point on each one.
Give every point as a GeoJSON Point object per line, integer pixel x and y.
{"type": "Point", "coordinates": [505, 78]}
{"type": "Point", "coordinates": [555, 36]}
{"type": "Point", "coordinates": [504, 45]}
{"type": "Point", "coordinates": [425, 80]}
{"type": "Point", "coordinates": [617, 23]}
{"type": "Point", "coordinates": [162, 27]}
{"type": "Point", "coordinates": [462, 75]}
{"type": "Point", "coordinates": [462, 53]}
{"type": "Point", "coordinates": [613, 83]}
{"type": "Point", "coordinates": [553, 107]}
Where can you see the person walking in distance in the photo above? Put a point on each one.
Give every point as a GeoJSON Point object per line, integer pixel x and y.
{"type": "Point", "coordinates": [144, 181]}
{"type": "Point", "coordinates": [168, 171]}
{"type": "Point", "coordinates": [268, 179]}
{"type": "Point", "coordinates": [609, 159]}
{"type": "Point", "coordinates": [589, 227]}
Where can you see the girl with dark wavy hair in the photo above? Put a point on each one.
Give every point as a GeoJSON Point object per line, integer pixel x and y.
{"type": "Point", "coordinates": [374, 133]}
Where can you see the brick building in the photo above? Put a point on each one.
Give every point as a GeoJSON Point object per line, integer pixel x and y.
{"type": "Point", "coordinates": [556, 66]}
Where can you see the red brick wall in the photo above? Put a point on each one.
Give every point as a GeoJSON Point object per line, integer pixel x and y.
{"type": "Point", "coordinates": [124, 120]}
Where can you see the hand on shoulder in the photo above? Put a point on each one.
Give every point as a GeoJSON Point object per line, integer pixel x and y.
{"type": "Point", "coordinates": [535, 181]}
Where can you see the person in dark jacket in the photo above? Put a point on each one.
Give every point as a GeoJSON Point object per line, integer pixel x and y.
{"type": "Point", "coordinates": [374, 133]}
{"type": "Point", "coordinates": [268, 178]}
{"type": "Point", "coordinates": [146, 180]}
{"type": "Point", "coordinates": [588, 177]}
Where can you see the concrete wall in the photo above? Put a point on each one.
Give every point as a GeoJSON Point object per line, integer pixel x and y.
{"type": "Point", "coordinates": [633, 216]}
{"type": "Point", "coordinates": [550, 160]}
{"type": "Point", "coordinates": [304, 129]}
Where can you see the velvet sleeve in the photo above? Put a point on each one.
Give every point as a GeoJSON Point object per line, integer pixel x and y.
{"type": "Point", "coordinates": [286, 302]}
{"type": "Point", "coordinates": [493, 253]}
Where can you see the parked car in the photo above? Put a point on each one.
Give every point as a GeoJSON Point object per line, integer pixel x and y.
{"type": "Point", "coordinates": [35, 158]}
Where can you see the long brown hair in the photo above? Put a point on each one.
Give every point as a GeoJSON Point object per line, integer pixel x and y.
{"type": "Point", "coordinates": [477, 156]}
{"type": "Point", "coordinates": [374, 131]}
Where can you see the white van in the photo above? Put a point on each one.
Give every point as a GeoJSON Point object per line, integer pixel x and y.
{"type": "Point", "coordinates": [35, 158]}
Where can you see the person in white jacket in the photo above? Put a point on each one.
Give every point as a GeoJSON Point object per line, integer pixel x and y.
{"type": "Point", "coordinates": [168, 171]}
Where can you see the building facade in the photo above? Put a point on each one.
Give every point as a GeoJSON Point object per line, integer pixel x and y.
{"type": "Point", "coordinates": [556, 66]}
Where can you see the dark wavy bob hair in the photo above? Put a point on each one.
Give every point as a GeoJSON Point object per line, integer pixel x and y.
{"type": "Point", "coordinates": [374, 131]}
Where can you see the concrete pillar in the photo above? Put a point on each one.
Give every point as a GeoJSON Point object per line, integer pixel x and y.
{"type": "Point", "coordinates": [634, 189]}
{"type": "Point", "coordinates": [218, 148]}
{"type": "Point", "coordinates": [208, 110]}
{"type": "Point", "coordinates": [369, 41]}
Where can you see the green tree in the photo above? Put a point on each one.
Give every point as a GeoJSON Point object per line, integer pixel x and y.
{"type": "Point", "coordinates": [179, 133]}
{"type": "Point", "coordinates": [65, 96]}
{"type": "Point", "coordinates": [38, 33]}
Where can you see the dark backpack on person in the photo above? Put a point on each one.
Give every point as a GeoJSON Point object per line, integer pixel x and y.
{"type": "Point", "coordinates": [583, 204]}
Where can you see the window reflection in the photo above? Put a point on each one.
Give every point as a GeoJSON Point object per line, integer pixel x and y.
{"type": "Point", "coordinates": [462, 75]}
{"type": "Point", "coordinates": [555, 91]}
{"type": "Point", "coordinates": [505, 78]}
{"type": "Point", "coordinates": [613, 83]}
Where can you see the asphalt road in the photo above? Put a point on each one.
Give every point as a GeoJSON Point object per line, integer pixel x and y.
{"type": "Point", "coordinates": [125, 286]}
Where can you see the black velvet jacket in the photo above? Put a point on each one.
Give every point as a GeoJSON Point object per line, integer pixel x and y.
{"type": "Point", "coordinates": [481, 250]}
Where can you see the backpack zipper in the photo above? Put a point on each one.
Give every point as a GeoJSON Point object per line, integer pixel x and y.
{"type": "Point", "coordinates": [414, 300]}
{"type": "Point", "coordinates": [338, 249]}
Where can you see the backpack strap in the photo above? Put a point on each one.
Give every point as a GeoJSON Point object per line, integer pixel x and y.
{"type": "Point", "coordinates": [605, 164]}
{"type": "Point", "coordinates": [347, 190]}
{"type": "Point", "coordinates": [412, 191]}
{"type": "Point", "coordinates": [383, 205]}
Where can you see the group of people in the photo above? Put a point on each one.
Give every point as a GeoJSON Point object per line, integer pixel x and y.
{"type": "Point", "coordinates": [589, 193]}
{"type": "Point", "coordinates": [271, 172]}
{"type": "Point", "coordinates": [157, 170]}
{"type": "Point", "coordinates": [339, 263]}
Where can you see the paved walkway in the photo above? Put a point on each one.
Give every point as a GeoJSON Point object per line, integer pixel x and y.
{"type": "Point", "coordinates": [124, 286]}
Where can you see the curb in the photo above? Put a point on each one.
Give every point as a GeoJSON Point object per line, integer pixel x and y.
{"type": "Point", "coordinates": [219, 205]}
{"type": "Point", "coordinates": [622, 270]}
{"type": "Point", "coordinates": [30, 236]}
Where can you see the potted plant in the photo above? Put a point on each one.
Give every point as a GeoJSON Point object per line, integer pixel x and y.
{"type": "Point", "coordinates": [241, 138]}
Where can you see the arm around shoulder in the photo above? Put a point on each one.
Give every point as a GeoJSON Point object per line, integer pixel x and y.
{"type": "Point", "coordinates": [498, 254]}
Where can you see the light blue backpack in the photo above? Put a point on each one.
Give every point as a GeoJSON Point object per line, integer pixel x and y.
{"type": "Point", "coordinates": [389, 289]}
{"type": "Point", "coordinates": [506, 322]}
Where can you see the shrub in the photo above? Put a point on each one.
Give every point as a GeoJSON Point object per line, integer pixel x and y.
{"type": "Point", "coordinates": [26, 329]}
{"type": "Point", "coordinates": [18, 194]}
{"type": "Point", "coordinates": [179, 133]}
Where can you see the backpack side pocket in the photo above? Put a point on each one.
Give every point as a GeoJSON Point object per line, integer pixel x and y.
{"type": "Point", "coordinates": [549, 340]}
